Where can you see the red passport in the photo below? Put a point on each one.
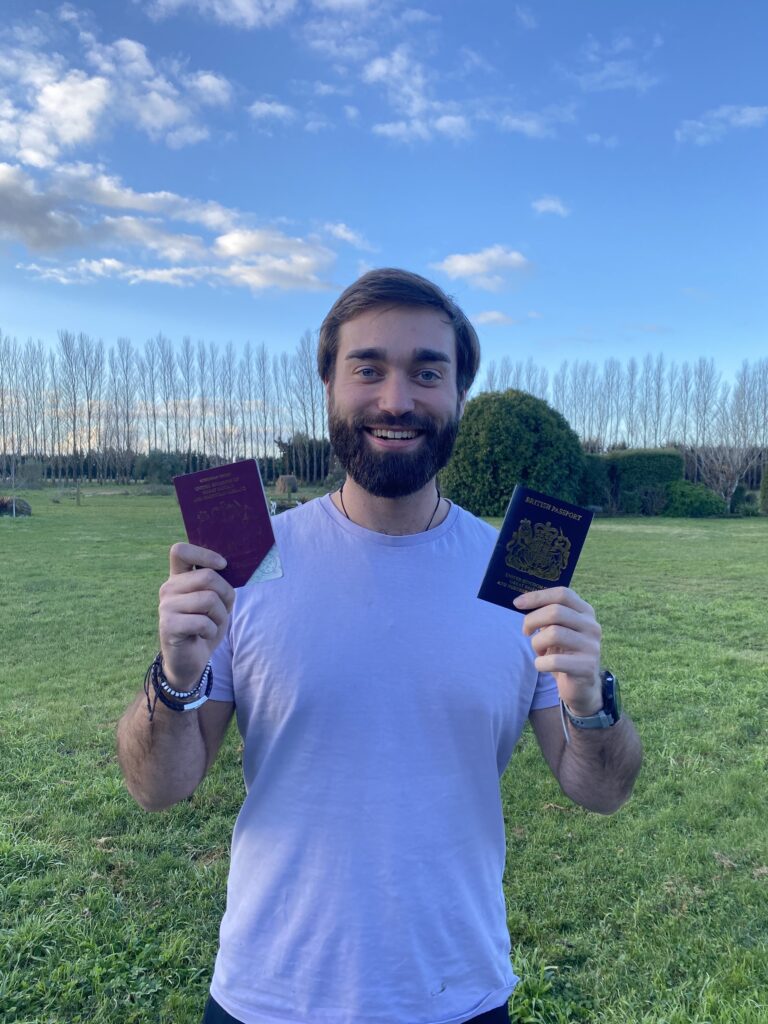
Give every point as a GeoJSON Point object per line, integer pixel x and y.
{"type": "Point", "coordinates": [225, 509]}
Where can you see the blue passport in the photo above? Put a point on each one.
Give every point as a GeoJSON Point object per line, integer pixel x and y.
{"type": "Point", "coordinates": [538, 546]}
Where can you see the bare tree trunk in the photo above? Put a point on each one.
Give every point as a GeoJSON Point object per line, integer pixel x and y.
{"type": "Point", "coordinates": [264, 401]}
{"type": "Point", "coordinates": [187, 369]}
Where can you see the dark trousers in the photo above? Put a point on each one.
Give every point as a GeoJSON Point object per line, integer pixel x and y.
{"type": "Point", "coordinates": [214, 1014]}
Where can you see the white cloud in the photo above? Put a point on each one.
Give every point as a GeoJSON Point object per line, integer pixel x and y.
{"type": "Point", "coordinates": [46, 109]}
{"type": "Point", "coordinates": [149, 235]}
{"type": "Point", "coordinates": [32, 217]}
{"type": "Point", "coordinates": [243, 13]}
{"type": "Point", "coordinates": [535, 124]}
{"type": "Point", "coordinates": [133, 237]}
{"type": "Point", "coordinates": [327, 89]}
{"type": "Point", "coordinates": [342, 6]}
{"type": "Point", "coordinates": [525, 17]}
{"type": "Point", "coordinates": [404, 79]}
{"type": "Point", "coordinates": [49, 108]}
{"type": "Point", "coordinates": [404, 131]}
{"type": "Point", "coordinates": [85, 183]}
{"type": "Point", "coordinates": [351, 113]}
{"type": "Point", "coordinates": [418, 16]}
{"type": "Point", "coordinates": [550, 204]}
{"type": "Point", "coordinates": [271, 110]}
{"type": "Point", "coordinates": [186, 135]}
{"type": "Point", "coordinates": [346, 234]}
{"type": "Point", "coordinates": [211, 89]}
{"type": "Point", "coordinates": [455, 126]}
{"type": "Point", "coordinates": [340, 39]}
{"type": "Point", "coordinates": [596, 139]}
{"type": "Point", "coordinates": [315, 124]}
{"type": "Point", "coordinates": [484, 269]}
{"type": "Point", "coordinates": [616, 65]}
{"type": "Point", "coordinates": [712, 126]}
{"type": "Point", "coordinates": [493, 318]}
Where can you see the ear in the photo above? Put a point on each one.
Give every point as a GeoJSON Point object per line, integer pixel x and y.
{"type": "Point", "coordinates": [328, 389]}
{"type": "Point", "coordinates": [462, 402]}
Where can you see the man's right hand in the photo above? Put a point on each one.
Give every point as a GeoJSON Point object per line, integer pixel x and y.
{"type": "Point", "coordinates": [195, 602]}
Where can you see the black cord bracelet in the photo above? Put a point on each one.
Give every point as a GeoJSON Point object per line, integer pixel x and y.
{"type": "Point", "coordinates": [176, 700]}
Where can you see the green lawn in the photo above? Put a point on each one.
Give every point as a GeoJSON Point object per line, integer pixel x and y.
{"type": "Point", "coordinates": [658, 914]}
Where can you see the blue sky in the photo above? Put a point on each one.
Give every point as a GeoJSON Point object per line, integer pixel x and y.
{"type": "Point", "coordinates": [588, 179]}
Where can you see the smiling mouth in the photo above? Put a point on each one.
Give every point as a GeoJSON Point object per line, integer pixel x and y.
{"type": "Point", "coordinates": [393, 435]}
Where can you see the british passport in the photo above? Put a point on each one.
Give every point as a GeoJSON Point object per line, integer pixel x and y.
{"type": "Point", "coordinates": [225, 509]}
{"type": "Point", "coordinates": [538, 546]}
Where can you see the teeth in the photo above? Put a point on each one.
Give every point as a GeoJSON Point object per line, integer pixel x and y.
{"type": "Point", "coordinates": [395, 435]}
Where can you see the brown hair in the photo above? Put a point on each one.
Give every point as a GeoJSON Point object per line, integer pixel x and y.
{"type": "Point", "coordinates": [390, 286]}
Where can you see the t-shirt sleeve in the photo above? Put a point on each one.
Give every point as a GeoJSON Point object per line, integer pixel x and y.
{"type": "Point", "coordinates": [545, 695]}
{"type": "Point", "coordinates": [221, 663]}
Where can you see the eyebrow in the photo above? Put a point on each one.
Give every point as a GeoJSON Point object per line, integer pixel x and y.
{"type": "Point", "coordinates": [420, 355]}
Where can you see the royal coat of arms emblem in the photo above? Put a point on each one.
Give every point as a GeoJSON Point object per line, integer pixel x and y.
{"type": "Point", "coordinates": [540, 550]}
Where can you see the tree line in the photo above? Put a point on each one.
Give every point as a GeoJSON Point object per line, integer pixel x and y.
{"type": "Point", "coordinates": [721, 426]}
{"type": "Point", "coordinates": [82, 410]}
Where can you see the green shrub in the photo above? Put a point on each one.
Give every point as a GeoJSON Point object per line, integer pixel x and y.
{"type": "Point", "coordinates": [30, 475]}
{"type": "Point", "coordinates": [507, 438]}
{"type": "Point", "coordinates": [694, 500]}
{"type": "Point", "coordinates": [595, 487]}
{"type": "Point", "coordinates": [640, 469]}
{"type": "Point", "coordinates": [631, 503]}
{"type": "Point", "coordinates": [744, 502]}
{"type": "Point", "coordinates": [764, 491]}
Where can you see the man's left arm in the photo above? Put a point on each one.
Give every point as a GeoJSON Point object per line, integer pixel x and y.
{"type": "Point", "coordinates": [596, 768]}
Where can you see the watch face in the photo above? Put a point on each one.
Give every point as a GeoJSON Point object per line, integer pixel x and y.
{"type": "Point", "coordinates": [611, 696]}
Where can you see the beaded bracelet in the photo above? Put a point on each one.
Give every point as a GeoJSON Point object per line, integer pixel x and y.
{"type": "Point", "coordinates": [176, 700]}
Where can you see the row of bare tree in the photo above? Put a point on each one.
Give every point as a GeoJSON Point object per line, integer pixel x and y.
{"type": "Point", "coordinates": [85, 401]}
{"type": "Point", "coordinates": [655, 403]}
{"type": "Point", "coordinates": [81, 400]}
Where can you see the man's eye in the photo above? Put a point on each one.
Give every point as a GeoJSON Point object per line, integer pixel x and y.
{"type": "Point", "coordinates": [429, 376]}
{"type": "Point", "coordinates": [366, 371]}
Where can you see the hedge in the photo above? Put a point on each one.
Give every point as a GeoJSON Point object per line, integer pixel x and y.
{"type": "Point", "coordinates": [507, 438]}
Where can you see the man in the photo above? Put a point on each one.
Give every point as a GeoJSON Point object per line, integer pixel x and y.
{"type": "Point", "coordinates": [379, 702]}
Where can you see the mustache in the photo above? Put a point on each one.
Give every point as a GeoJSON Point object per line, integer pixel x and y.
{"type": "Point", "coordinates": [408, 421]}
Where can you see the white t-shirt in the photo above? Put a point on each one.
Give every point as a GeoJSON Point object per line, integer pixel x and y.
{"type": "Point", "coordinates": [379, 702]}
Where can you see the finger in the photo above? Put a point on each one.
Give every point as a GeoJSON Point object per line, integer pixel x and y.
{"type": "Point", "coordinates": [205, 602]}
{"type": "Point", "coordinates": [560, 615]}
{"type": "Point", "coordinates": [578, 666]}
{"type": "Point", "coordinates": [559, 639]}
{"type": "Point", "coordinates": [184, 557]}
{"type": "Point", "coordinates": [551, 595]}
{"type": "Point", "coordinates": [187, 627]}
{"type": "Point", "coordinates": [198, 580]}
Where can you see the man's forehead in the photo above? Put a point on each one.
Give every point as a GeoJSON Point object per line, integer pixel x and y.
{"type": "Point", "coordinates": [400, 330]}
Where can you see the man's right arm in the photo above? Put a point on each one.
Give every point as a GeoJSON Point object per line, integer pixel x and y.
{"type": "Point", "coordinates": [164, 760]}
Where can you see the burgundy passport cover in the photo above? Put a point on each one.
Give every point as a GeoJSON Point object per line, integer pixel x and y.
{"type": "Point", "coordinates": [538, 546]}
{"type": "Point", "coordinates": [225, 509]}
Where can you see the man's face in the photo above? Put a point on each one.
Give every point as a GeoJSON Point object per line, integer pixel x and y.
{"type": "Point", "coordinates": [393, 405]}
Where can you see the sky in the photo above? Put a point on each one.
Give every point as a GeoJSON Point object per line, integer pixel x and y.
{"type": "Point", "coordinates": [587, 178]}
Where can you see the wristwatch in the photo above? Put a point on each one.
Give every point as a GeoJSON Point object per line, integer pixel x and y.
{"type": "Point", "coordinates": [610, 712]}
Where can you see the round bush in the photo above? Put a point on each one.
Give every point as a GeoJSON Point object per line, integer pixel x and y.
{"type": "Point", "coordinates": [695, 500]}
{"type": "Point", "coordinates": [507, 438]}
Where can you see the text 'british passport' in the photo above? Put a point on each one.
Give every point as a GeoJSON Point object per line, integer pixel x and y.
{"type": "Point", "coordinates": [538, 546]}
{"type": "Point", "coordinates": [225, 509]}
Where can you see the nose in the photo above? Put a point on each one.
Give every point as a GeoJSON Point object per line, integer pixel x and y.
{"type": "Point", "coordinates": [395, 395]}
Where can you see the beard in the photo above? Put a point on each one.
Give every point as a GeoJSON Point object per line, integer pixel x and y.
{"type": "Point", "coordinates": [391, 474]}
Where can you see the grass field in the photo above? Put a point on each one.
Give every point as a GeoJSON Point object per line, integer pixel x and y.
{"type": "Point", "coordinates": [658, 914]}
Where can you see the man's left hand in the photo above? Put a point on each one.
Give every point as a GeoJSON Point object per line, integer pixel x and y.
{"type": "Point", "coordinates": [566, 638]}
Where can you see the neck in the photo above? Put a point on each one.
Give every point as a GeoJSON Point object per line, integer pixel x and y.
{"type": "Point", "coordinates": [394, 516]}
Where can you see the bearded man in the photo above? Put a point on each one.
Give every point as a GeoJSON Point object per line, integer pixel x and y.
{"type": "Point", "coordinates": [379, 702]}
